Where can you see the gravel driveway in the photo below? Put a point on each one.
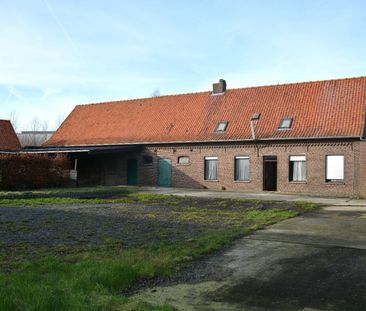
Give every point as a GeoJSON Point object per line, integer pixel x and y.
{"type": "Point", "coordinates": [131, 225]}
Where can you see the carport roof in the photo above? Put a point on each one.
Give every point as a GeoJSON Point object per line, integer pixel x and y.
{"type": "Point", "coordinates": [85, 149]}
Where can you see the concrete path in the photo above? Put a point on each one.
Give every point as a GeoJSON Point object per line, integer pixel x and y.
{"type": "Point", "coordinates": [313, 262]}
{"type": "Point", "coordinates": [257, 195]}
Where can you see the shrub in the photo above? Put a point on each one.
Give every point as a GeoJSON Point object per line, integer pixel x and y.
{"type": "Point", "coordinates": [30, 171]}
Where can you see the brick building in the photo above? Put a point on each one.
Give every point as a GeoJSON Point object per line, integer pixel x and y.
{"type": "Point", "coordinates": [8, 138]}
{"type": "Point", "coordinates": [301, 137]}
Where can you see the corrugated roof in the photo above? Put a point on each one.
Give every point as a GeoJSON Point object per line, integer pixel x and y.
{"type": "Point", "coordinates": [333, 108]}
{"type": "Point", "coordinates": [8, 138]}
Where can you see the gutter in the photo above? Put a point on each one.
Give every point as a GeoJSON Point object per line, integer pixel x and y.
{"type": "Point", "coordinates": [215, 141]}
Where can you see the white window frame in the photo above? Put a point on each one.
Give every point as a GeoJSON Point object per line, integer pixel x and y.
{"type": "Point", "coordinates": [235, 168]}
{"type": "Point", "coordinates": [217, 168]}
{"type": "Point", "coordinates": [290, 120]}
{"type": "Point", "coordinates": [221, 124]}
{"type": "Point", "coordinates": [184, 163]}
{"type": "Point", "coordinates": [297, 158]}
{"type": "Point", "coordinates": [332, 173]}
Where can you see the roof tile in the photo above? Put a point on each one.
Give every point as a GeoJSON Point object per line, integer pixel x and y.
{"type": "Point", "coordinates": [8, 138]}
{"type": "Point", "coordinates": [333, 108]}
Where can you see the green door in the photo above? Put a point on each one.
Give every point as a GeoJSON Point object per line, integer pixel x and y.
{"type": "Point", "coordinates": [132, 172]}
{"type": "Point", "coordinates": [165, 173]}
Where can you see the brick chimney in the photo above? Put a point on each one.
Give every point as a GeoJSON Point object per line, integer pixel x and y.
{"type": "Point", "coordinates": [219, 88]}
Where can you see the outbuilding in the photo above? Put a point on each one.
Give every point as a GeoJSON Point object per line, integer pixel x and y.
{"type": "Point", "coordinates": [299, 138]}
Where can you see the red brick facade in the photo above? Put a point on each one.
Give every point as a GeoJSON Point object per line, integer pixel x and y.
{"type": "Point", "coordinates": [112, 169]}
{"type": "Point", "coordinates": [192, 175]}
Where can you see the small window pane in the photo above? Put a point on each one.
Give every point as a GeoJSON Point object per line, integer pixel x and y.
{"type": "Point", "coordinates": [297, 169]}
{"type": "Point", "coordinates": [210, 168]}
{"type": "Point", "coordinates": [221, 127]}
{"type": "Point", "coordinates": [183, 160]}
{"type": "Point", "coordinates": [285, 123]}
{"type": "Point", "coordinates": [147, 160]}
{"type": "Point", "coordinates": [335, 168]}
{"type": "Point", "coordinates": [242, 168]}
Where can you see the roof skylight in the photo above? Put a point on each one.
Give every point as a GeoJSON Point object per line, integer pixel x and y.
{"type": "Point", "coordinates": [285, 124]}
{"type": "Point", "coordinates": [221, 127]}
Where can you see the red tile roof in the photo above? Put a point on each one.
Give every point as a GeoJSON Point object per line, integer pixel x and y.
{"type": "Point", "coordinates": [8, 139]}
{"type": "Point", "coordinates": [334, 108]}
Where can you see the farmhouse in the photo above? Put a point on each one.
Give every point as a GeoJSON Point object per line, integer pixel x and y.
{"type": "Point", "coordinates": [300, 137]}
{"type": "Point", "coordinates": [8, 139]}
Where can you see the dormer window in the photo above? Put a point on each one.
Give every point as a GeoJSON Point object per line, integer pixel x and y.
{"type": "Point", "coordinates": [285, 124]}
{"type": "Point", "coordinates": [221, 127]}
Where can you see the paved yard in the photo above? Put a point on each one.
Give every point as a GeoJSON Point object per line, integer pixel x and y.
{"type": "Point", "coordinates": [313, 262]}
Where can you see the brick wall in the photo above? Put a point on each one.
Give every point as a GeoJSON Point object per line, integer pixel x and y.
{"type": "Point", "coordinates": [360, 170]}
{"type": "Point", "coordinates": [112, 169]}
{"type": "Point", "coordinates": [192, 175]}
{"type": "Point", "coordinates": [102, 169]}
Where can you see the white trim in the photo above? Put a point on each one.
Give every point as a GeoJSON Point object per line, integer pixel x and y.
{"type": "Point", "coordinates": [211, 158]}
{"type": "Point", "coordinates": [241, 157]}
{"type": "Point", "coordinates": [298, 158]}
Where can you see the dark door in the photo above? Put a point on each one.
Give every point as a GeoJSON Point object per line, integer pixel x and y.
{"type": "Point", "coordinates": [165, 173]}
{"type": "Point", "coordinates": [132, 172]}
{"type": "Point", "coordinates": [270, 173]}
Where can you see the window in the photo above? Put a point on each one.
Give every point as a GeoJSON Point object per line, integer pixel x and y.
{"type": "Point", "coordinates": [183, 160]}
{"type": "Point", "coordinates": [147, 160]}
{"type": "Point", "coordinates": [334, 168]}
{"type": "Point", "coordinates": [221, 127]}
{"type": "Point", "coordinates": [210, 168]}
{"type": "Point", "coordinates": [297, 168]}
{"type": "Point", "coordinates": [242, 168]}
{"type": "Point", "coordinates": [285, 123]}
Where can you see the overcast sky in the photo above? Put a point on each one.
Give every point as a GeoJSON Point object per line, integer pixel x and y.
{"type": "Point", "coordinates": [57, 54]}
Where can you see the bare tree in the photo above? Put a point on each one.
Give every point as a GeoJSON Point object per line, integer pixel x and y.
{"type": "Point", "coordinates": [37, 133]}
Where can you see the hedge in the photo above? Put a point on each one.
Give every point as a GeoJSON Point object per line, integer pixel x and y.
{"type": "Point", "coordinates": [30, 171]}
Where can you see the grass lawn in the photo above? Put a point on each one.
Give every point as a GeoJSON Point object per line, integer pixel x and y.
{"type": "Point", "coordinates": [81, 249]}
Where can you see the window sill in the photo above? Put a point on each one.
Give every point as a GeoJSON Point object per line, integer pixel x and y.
{"type": "Point", "coordinates": [183, 164]}
{"type": "Point", "coordinates": [211, 180]}
{"type": "Point", "coordinates": [298, 182]}
{"type": "Point", "coordinates": [335, 182]}
{"type": "Point", "coordinates": [242, 181]}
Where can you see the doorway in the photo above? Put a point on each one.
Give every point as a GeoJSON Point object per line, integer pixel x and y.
{"type": "Point", "coordinates": [270, 173]}
{"type": "Point", "coordinates": [132, 172]}
{"type": "Point", "coordinates": [165, 173]}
